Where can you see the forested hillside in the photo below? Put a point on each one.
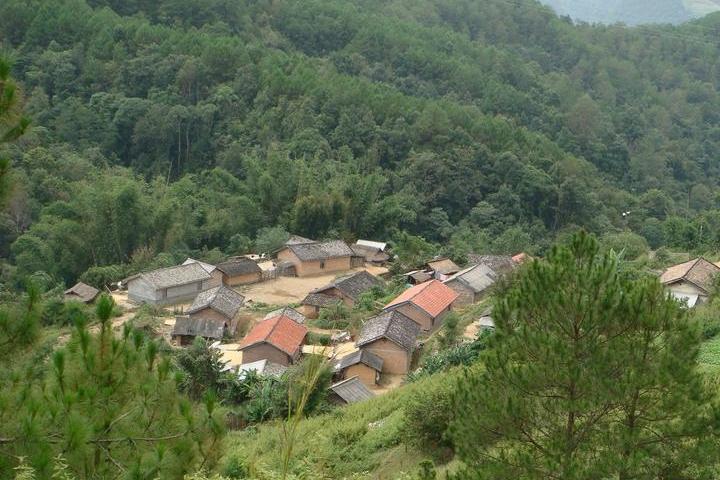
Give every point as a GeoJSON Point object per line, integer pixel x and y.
{"type": "Point", "coordinates": [162, 127]}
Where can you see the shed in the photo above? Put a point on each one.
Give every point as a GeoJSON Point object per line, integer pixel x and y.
{"type": "Point", "coordinates": [417, 277]}
{"type": "Point", "coordinates": [81, 292]}
{"type": "Point", "coordinates": [382, 246]}
{"type": "Point", "coordinates": [186, 329]}
{"type": "Point", "coordinates": [442, 268]}
{"type": "Point", "coordinates": [349, 391]}
{"type": "Point", "coordinates": [392, 336]}
{"type": "Point", "coordinates": [317, 257]}
{"type": "Point", "coordinates": [692, 280]}
{"type": "Point", "coordinates": [278, 340]}
{"type": "Point", "coordinates": [240, 271]}
{"type": "Point", "coordinates": [168, 286]}
{"type": "Point", "coordinates": [346, 289]}
{"type": "Point", "coordinates": [217, 277]}
{"type": "Point", "coordinates": [362, 364]}
{"type": "Point", "coordinates": [426, 304]}
{"type": "Point", "coordinates": [212, 315]}
{"type": "Point", "coordinates": [371, 255]}
{"type": "Point", "coordinates": [472, 283]}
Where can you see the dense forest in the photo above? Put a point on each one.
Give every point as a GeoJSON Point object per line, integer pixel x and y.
{"type": "Point", "coordinates": [177, 126]}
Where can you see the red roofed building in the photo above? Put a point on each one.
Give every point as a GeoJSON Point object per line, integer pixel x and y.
{"type": "Point", "coordinates": [426, 303]}
{"type": "Point", "coordinates": [278, 340]}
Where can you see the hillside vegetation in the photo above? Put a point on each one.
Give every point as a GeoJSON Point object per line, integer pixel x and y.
{"type": "Point", "coordinates": [162, 128]}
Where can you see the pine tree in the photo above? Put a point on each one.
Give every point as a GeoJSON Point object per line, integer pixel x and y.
{"type": "Point", "coordinates": [589, 375]}
{"type": "Point", "coordinates": [111, 406]}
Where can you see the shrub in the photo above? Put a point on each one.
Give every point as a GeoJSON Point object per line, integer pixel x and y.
{"type": "Point", "coordinates": [314, 338]}
{"type": "Point", "coordinates": [428, 412]}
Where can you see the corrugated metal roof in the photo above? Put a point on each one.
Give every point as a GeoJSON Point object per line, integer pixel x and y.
{"type": "Point", "coordinates": [477, 278]}
{"type": "Point", "coordinates": [369, 243]}
{"type": "Point", "coordinates": [433, 297]}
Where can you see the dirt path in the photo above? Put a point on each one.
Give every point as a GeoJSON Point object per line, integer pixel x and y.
{"type": "Point", "coordinates": [290, 290]}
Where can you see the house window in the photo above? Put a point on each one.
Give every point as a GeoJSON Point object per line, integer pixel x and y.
{"type": "Point", "coordinates": [322, 265]}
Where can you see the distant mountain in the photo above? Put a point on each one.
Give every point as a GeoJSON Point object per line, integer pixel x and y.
{"type": "Point", "coordinates": [634, 12]}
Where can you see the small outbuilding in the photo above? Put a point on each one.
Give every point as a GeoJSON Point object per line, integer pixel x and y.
{"type": "Point", "coordinates": [167, 286]}
{"type": "Point", "coordinates": [278, 340]}
{"type": "Point", "coordinates": [212, 315]}
{"type": "Point", "coordinates": [240, 271]}
{"type": "Point", "coordinates": [346, 289]}
{"type": "Point", "coordinates": [363, 364]}
{"type": "Point", "coordinates": [349, 391]}
{"type": "Point", "coordinates": [81, 292]}
{"type": "Point", "coordinates": [391, 336]}
{"type": "Point", "coordinates": [442, 268]}
{"type": "Point", "coordinates": [426, 304]}
{"type": "Point", "coordinates": [500, 264]}
{"type": "Point", "coordinates": [471, 284]}
{"type": "Point", "coordinates": [416, 277]}
{"type": "Point", "coordinates": [317, 258]}
{"type": "Point", "coordinates": [692, 281]}
{"type": "Point", "coordinates": [372, 253]}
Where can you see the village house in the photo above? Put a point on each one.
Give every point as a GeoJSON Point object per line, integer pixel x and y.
{"type": "Point", "coordinates": [472, 283]}
{"type": "Point", "coordinates": [500, 264]}
{"type": "Point", "coordinates": [317, 257]}
{"type": "Point", "coordinates": [391, 336]}
{"type": "Point", "coordinates": [168, 286]}
{"type": "Point", "coordinates": [213, 315]}
{"type": "Point", "coordinates": [691, 281]}
{"type": "Point", "coordinates": [373, 253]}
{"type": "Point", "coordinates": [287, 312]}
{"type": "Point", "coordinates": [349, 391]}
{"type": "Point", "coordinates": [426, 304]}
{"type": "Point", "coordinates": [278, 340]}
{"type": "Point", "coordinates": [346, 289]}
{"type": "Point", "coordinates": [240, 271]}
{"type": "Point", "coordinates": [362, 364]}
{"type": "Point", "coordinates": [81, 292]}
{"type": "Point", "coordinates": [217, 277]}
{"type": "Point", "coordinates": [442, 268]}
{"type": "Point", "coordinates": [416, 277]}
{"type": "Point", "coordinates": [264, 368]}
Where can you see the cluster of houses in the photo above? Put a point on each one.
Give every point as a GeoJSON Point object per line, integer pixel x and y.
{"type": "Point", "coordinates": [386, 343]}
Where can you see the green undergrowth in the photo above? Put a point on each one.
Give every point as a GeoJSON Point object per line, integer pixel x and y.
{"type": "Point", "coordinates": [365, 440]}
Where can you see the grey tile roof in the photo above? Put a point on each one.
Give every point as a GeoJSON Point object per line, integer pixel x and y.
{"type": "Point", "coordinates": [352, 390]}
{"type": "Point", "coordinates": [221, 299]}
{"type": "Point", "coordinates": [394, 326]}
{"type": "Point", "coordinates": [199, 327]}
{"type": "Point", "coordinates": [321, 251]}
{"type": "Point", "coordinates": [352, 285]}
{"type": "Point", "coordinates": [320, 300]}
{"type": "Point", "coordinates": [477, 278]}
{"type": "Point", "coordinates": [174, 276]}
{"type": "Point", "coordinates": [365, 357]}
{"type": "Point", "coordinates": [83, 292]}
{"type": "Point", "coordinates": [288, 312]}
{"type": "Point", "coordinates": [208, 268]}
{"type": "Point", "coordinates": [239, 266]}
{"type": "Point", "coordinates": [500, 264]}
{"type": "Point", "coordinates": [298, 240]}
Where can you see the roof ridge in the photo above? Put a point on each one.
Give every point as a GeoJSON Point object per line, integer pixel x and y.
{"type": "Point", "coordinates": [354, 377]}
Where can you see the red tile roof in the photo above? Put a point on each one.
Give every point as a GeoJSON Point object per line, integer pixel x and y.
{"type": "Point", "coordinates": [433, 297]}
{"type": "Point", "coordinates": [282, 332]}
